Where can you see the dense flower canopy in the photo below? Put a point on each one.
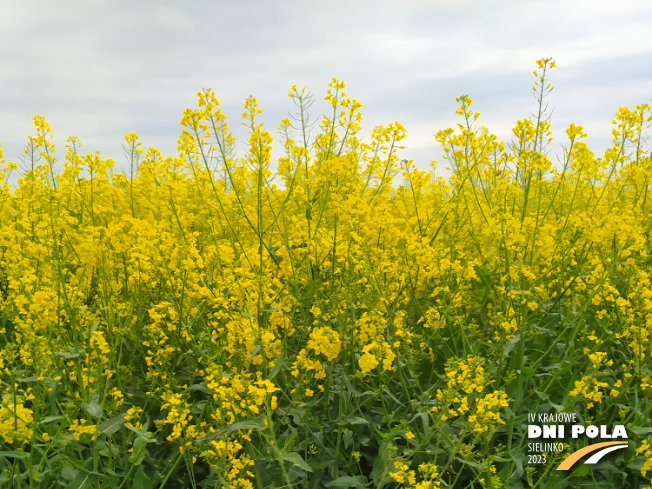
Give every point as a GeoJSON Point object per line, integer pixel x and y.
{"type": "Point", "coordinates": [204, 318]}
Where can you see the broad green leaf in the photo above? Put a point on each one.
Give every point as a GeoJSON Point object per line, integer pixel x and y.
{"type": "Point", "coordinates": [296, 459]}
{"type": "Point", "coordinates": [245, 425]}
{"type": "Point", "coordinates": [69, 472]}
{"type": "Point", "coordinates": [425, 419]}
{"type": "Point", "coordinates": [581, 471]}
{"type": "Point", "coordinates": [546, 397]}
{"type": "Point", "coordinates": [138, 454]}
{"type": "Point", "coordinates": [348, 481]}
{"type": "Point", "coordinates": [475, 465]}
{"type": "Point", "coordinates": [13, 454]}
{"type": "Point", "coordinates": [49, 419]}
{"type": "Point", "coordinates": [82, 481]}
{"type": "Point", "coordinates": [93, 408]}
{"type": "Point", "coordinates": [111, 425]}
{"type": "Point", "coordinates": [518, 456]}
{"type": "Point", "coordinates": [244, 313]}
{"type": "Point", "coordinates": [322, 464]}
{"type": "Point", "coordinates": [210, 437]}
{"type": "Point", "coordinates": [381, 467]}
{"type": "Point", "coordinates": [254, 352]}
{"type": "Point", "coordinates": [278, 363]}
{"type": "Point", "coordinates": [355, 420]}
{"type": "Point", "coordinates": [73, 353]}
{"type": "Point", "coordinates": [511, 344]}
{"type": "Point", "coordinates": [201, 387]}
{"type": "Point", "coordinates": [528, 371]}
{"type": "Point", "coordinates": [141, 480]}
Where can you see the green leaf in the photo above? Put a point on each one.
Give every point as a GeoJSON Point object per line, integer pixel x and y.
{"type": "Point", "coordinates": [511, 344]}
{"type": "Point", "coordinates": [82, 481]}
{"type": "Point", "coordinates": [138, 454]}
{"type": "Point", "coordinates": [641, 431]}
{"type": "Point", "coordinates": [201, 387]}
{"type": "Point", "coordinates": [49, 419]}
{"type": "Point", "coordinates": [475, 465]}
{"type": "Point", "coordinates": [111, 425]}
{"type": "Point", "coordinates": [546, 397]}
{"type": "Point", "coordinates": [12, 454]}
{"type": "Point", "coordinates": [637, 464]}
{"type": "Point", "coordinates": [254, 352]}
{"type": "Point", "coordinates": [581, 471]}
{"type": "Point", "coordinates": [528, 371]}
{"type": "Point", "coordinates": [296, 459]}
{"type": "Point", "coordinates": [355, 420]}
{"type": "Point", "coordinates": [297, 414]}
{"type": "Point", "coordinates": [245, 313]}
{"type": "Point", "coordinates": [69, 472]}
{"type": "Point", "coordinates": [278, 363]}
{"type": "Point", "coordinates": [348, 481]}
{"type": "Point", "coordinates": [141, 480]}
{"type": "Point", "coordinates": [381, 465]}
{"type": "Point", "coordinates": [348, 384]}
{"type": "Point", "coordinates": [425, 419]}
{"type": "Point", "coordinates": [93, 408]}
{"type": "Point", "coordinates": [245, 425]}
{"type": "Point", "coordinates": [500, 459]}
{"type": "Point", "coordinates": [518, 456]}
{"type": "Point", "coordinates": [74, 353]}
{"type": "Point", "coordinates": [347, 438]}
{"type": "Point", "coordinates": [273, 308]}
{"type": "Point", "coordinates": [209, 437]}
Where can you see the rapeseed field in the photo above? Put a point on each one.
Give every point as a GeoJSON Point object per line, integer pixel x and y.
{"type": "Point", "coordinates": [339, 318]}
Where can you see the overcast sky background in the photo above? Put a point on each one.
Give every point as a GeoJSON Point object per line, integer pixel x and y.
{"type": "Point", "coordinates": [100, 69]}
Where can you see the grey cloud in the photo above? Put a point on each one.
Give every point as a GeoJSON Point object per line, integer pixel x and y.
{"type": "Point", "coordinates": [100, 69]}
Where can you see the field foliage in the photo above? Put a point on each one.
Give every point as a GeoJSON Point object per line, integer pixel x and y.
{"type": "Point", "coordinates": [205, 321]}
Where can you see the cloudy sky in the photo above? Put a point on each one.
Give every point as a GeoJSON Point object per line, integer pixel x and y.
{"type": "Point", "coordinates": [99, 69]}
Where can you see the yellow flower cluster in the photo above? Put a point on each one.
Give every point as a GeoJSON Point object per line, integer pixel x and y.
{"type": "Point", "coordinates": [467, 380]}
{"type": "Point", "coordinates": [224, 456]}
{"type": "Point", "coordinates": [372, 353]}
{"type": "Point", "coordinates": [15, 419]}
{"type": "Point", "coordinates": [428, 475]}
{"type": "Point", "coordinates": [589, 387]}
{"type": "Point", "coordinates": [178, 415]}
{"type": "Point", "coordinates": [238, 396]}
{"type": "Point", "coordinates": [646, 450]}
{"type": "Point", "coordinates": [467, 375]}
{"type": "Point", "coordinates": [325, 341]}
{"type": "Point", "coordinates": [80, 427]}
